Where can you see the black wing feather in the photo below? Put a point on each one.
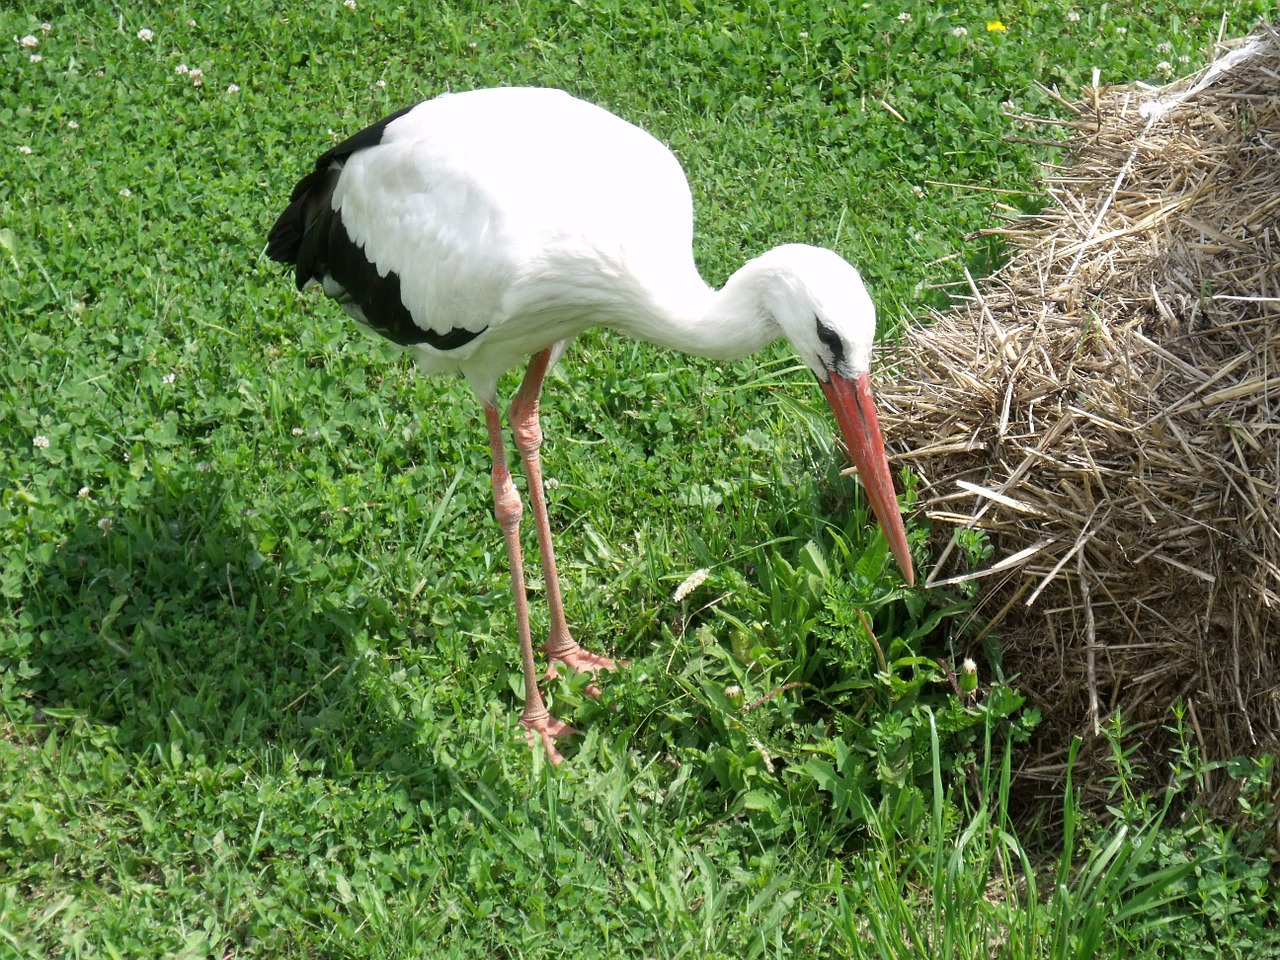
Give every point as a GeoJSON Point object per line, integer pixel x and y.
{"type": "Point", "coordinates": [310, 234]}
{"type": "Point", "coordinates": [312, 194]}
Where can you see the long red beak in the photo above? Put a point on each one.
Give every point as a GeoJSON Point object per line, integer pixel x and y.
{"type": "Point", "coordinates": [856, 413]}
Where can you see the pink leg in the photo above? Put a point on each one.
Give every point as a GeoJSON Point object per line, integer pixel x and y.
{"type": "Point", "coordinates": [560, 646]}
{"type": "Point", "coordinates": [536, 719]}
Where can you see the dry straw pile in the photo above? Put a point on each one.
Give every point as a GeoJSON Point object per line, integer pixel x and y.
{"type": "Point", "coordinates": [1107, 409]}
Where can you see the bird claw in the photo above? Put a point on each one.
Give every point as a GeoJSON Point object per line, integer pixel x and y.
{"type": "Point", "coordinates": [546, 730]}
{"type": "Point", "coordinates": [575, 658]}
{"type": "Point", "coordinates": [580, 661]}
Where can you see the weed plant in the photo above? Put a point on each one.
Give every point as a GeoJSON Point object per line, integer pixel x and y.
{"type": "Point", "coordinates": [257, 665]}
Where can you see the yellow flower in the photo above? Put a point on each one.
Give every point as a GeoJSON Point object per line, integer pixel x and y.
{"type": "Point", "coordinates": [995, 26]}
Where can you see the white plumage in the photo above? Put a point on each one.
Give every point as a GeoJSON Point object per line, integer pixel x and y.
{"type": "Point", "coordinates": [485, 228]}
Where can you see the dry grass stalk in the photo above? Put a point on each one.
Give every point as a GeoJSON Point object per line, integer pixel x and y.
{"type": "Point", "coordinates": [1107, 408]}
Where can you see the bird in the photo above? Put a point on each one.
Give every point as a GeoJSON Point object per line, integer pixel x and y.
{"type": "Point", "coordinates": [483, 229]}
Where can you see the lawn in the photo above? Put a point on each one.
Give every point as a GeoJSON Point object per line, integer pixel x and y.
{"type": "Point", "coordinates": [258, 671]}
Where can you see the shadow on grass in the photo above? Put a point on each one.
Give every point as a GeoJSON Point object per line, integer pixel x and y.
{"type": "Point", "coordinates": [165, 624]}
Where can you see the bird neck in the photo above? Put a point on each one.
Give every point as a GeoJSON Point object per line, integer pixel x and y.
{"type": "Point", "coordinates": [724, 324]}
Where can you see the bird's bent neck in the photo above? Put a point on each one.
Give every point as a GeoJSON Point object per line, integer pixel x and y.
{"type": "Point", "coordinates": [691, 317]}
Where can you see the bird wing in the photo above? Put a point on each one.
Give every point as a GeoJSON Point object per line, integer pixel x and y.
{"type": "Point", "coordinates": [512, 207]}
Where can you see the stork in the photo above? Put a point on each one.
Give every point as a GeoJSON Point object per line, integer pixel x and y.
{"type": "Point", "coordinates": [480, 230]}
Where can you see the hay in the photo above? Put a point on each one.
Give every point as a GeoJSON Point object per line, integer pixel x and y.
{"type": "Point", "coordinates": [1107, 409]}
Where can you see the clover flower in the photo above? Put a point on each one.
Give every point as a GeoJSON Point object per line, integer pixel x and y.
{"type": "Point", "coordinates": [41, 442]}
{"type": "Point", "coordinates": [145, 35]}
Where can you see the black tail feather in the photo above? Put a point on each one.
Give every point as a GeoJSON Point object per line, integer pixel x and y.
{"type": "Point", "coordinates": [310, 200]}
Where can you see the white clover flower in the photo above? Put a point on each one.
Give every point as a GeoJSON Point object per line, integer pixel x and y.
{"type": "Point", "coordinates": [804, 34]}
{"type": "Point", "coordinates": [72, 125]}
{"type": "Point", "coordinates": [233, 88]}
{"type": "Point", "coordinates": [204, 466]}
{"type": "Point", "coordinates": [691, 583]}
{"type": "Point", "coordinates": [1073, 17]}
{"type": "Point", "coordinates": [105, 525]}
{"type": "Point", "coordinates": [41, 441]}
{"type": "Point", "coordinates": [36, 58]}
{"type": "Point", "coordinates": [904, 17]}
{"type": "Point", "coordinates": [145, 35]}
{"type": "Point", "coordinates": [181, 69]}
{"type": "Point", "coordinates": [191, 23]}
{"type": "Point", "coordinates": [380, 84]}
{"type": "Point", "coordinates": [918, 191]}
{"type": "Point", "coordinates": [1122, 30]}
{"type": "Point", "coordinates": [1164, 48]}
{"type": "Point", "coordinates": [1184, 59]}
{"type": "Point", "coordinates": [1165, 67]}
{"type": "Point", "coordinates": [29, 41]}
{"type": "Point", "coordinates": [169, 377]}
{"type": "Point", "coordinates": [126, 192]}
{"type": "Point", "coordinates": [85, 493]}
{"type": "Point", "coordinates": [297, 431]}
{"type": "Point", "coordinates": [47, 28]}
{"type": "Point", "coordinates": [24, 150]}
{"type": "Point", "coordinates": [959, 32]}
{"type": "Point", "coordinates": [349, 4]}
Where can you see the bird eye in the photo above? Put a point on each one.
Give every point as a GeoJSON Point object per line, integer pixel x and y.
{"type": "Point", "coordinates": [832, 340]}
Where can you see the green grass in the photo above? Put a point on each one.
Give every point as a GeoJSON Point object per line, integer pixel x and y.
{"type": "Point", "coordinates": [257, 659]}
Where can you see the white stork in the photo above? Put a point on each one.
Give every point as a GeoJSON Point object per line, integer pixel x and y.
{"type": "Point", "coordinates": [481, 229]}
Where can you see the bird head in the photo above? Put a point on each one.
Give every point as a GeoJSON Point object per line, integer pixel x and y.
{"type": "Point", "coordinates": [818, 300]}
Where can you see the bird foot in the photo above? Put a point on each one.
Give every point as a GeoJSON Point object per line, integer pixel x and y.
{"type": "Point", "coordinates": [546, 730]}
{"type": "Point", "coordinates": [579, 660]}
